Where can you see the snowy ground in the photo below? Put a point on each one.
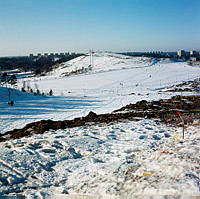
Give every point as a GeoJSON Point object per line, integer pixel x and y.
{"type": "Point", "coordinates": [124, 160]}
{"type": "Point", "coordinates": [133, 79]}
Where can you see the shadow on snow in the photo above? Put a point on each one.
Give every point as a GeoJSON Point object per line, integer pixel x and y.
{"type": "Point", "coordinates": [38, 105]}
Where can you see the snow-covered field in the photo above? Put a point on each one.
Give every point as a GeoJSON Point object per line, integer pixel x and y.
{"type": "Point", "coordinates": [134, 78]}
{"type": "Point", "coordinates": [119, 160]}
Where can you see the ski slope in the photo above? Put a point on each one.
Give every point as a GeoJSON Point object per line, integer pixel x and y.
{"type": "Point", "coordinates": [101, 92]}
{"type": "Point", "coordinates": [124, 160]}
{"type": "Point", "coordinates": [100, 62]}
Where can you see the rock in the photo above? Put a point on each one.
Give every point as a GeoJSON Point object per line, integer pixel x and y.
{"type": "Point", "coordinates": [91, 115]}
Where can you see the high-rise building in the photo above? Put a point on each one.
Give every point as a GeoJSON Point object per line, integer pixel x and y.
{"type": "Point", "coordinates": [181, 53]}
{"type": "Point", "coordinates": [193, 53]}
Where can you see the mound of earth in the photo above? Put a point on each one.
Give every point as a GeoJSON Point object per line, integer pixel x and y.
{"type": "Point", "coordinates": [178, 110]}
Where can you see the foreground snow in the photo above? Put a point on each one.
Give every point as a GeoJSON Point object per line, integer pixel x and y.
{"type": "Point", "coordinates": [122, 160]}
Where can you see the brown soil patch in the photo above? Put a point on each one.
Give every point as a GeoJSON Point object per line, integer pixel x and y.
{"type": "Point", "coordinates": [188, 86]}
{"type": "Point", "coordinates": [176, 110]}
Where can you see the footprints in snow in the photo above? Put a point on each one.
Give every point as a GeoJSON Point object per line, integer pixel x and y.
{"type": "Point", "coordinates": [40, 155]}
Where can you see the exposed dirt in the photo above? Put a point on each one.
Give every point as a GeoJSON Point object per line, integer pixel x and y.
{"type": "Point", "coordinates": [188, 86]}
{"type": "Point", "coordinates": [177, 110]}
{"type": "Point", "coordinates": [173, 111]}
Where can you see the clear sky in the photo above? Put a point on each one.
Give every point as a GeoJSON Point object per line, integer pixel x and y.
{"type": "Point", "coordinates": [38, 26]}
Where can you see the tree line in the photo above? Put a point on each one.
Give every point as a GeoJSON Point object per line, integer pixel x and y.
{"type": "Point", "coordinates": [36, 64]}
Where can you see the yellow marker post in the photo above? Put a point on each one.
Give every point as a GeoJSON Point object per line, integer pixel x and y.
{"type": "Point", "coordinates": [176, 137]}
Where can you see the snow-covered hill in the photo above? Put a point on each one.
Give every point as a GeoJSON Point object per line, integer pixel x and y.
{"type": "Point", "coordinates": [99, 62]}
{"type": "Point", "coordinates": [134, 79]}
{"type": "Point", "coordinates": [119, 160]}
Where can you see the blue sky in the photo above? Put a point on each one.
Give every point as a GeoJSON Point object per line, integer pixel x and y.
{"type": "Point", "coordinates": [33, 26]}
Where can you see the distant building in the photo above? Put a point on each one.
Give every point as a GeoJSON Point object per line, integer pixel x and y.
{"type": "Point", "coordinates": [49, 55]}
{"type": "Point", "coordinates": [181, 53]}
{"type": "Point", "coordinates": [193, 53]}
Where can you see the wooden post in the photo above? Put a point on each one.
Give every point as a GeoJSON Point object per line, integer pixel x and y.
{"type": "Point", "coordinates": [183, 130]}
{"type": "Point", "coordinates": [183, 122]}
